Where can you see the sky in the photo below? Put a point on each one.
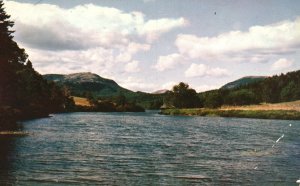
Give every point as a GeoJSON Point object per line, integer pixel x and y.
{"type": "Point", "coordinates": [149, 45]}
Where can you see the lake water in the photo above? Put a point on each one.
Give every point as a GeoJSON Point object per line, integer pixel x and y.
{"type": "Point", "coordinates": [151, 149]}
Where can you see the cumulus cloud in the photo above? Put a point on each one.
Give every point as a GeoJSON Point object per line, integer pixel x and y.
{"type": "Point", "coordinates": [201, 70]}
{"type": "Point", "coordinates": [132, 67]}
{"type": "Point", "coordinates": [257, 44]}
{"type": "Point", "coordinates": [96, 60]}
{"type": "Point", "coordinates": [84, 26]}
{"type": "Point", "coordinates": [281, 64]}
{"type": "Point", "coordinates": [137, 84]}
{"type": "Point", "coordinates": [86, 37]}
{"type": "Point", "coordinates": [154, 28]}
{"type": "Point", "coordinates": [126, 53]}
{"type": "Point", "coordinates": [168, 62]}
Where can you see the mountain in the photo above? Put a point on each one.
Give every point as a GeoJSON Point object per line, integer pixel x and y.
{"type": "Point", "coordinates": [85, 84]}
{"type": "Point", "coordinates": [160, 91]}
{"type": "Point", "coordinates": [243, 81]}
{"type": "Point", "coordinates": [81, 83]}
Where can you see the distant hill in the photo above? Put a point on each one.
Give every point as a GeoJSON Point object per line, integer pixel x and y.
{"type": "Point", "coordinates": [160, 91]}
{"type": "Point", "coordinates": [243, 81]}
{"type": "Point", "coordinates": [80, 83]}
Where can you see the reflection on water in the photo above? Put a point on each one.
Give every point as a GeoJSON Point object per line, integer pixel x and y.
{"type": "Point", "coordinates": [7, 155]}
{"type": "Point", "coordinates": [150, 149]}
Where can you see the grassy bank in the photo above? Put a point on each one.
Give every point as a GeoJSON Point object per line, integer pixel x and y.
{"type": "Point", "coordinates": [261, 114]}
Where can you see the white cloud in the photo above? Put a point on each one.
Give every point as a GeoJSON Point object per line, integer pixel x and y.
{"type": "Point", "coordinates": [257, 44]}
{"type": "Point", "coordinates": [201, 70]}
{"type": "Point", "coordinates": [281, 64]}
{"type": "Point", "coordinates": [168, 62]}
{"type": "Point", "coordinates": [126, 53]}
{"type": "Point", "coordinates": [203, 88]}
{"type": "Point", "coordinates": [96, 60]}
{"type": "Point", "coordinates": [133, 47]}
{"type": "Point", "coordinates": [83, 26]}
{"type": "Point", "coordinates": [86, 37]}
{"type": "Point", "coordinates": [132, 67]}
{"type": "Point", "coordinates": [154, 28]}
{"type": "Point", "coordinates": [169, 85]}
{"type": "Point", "coordinates": [136, 84]}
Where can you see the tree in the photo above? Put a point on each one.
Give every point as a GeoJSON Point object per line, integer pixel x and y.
{"type": "Point", "coordinates": [213, 99]}
{"type": "Point", "coordinates": [11, 59]}
{"type": "Point", "coordinates": [91, 99]}
{"type": "Point", "coordinates": [241, 97]}
{"type": "Point", "coordinates": [24, 94]}
{"type": "Point", "coordinates": [182, 96]}
{"type": "Point", "coordinates": [121, 100]}
{"type": "Point", "coordinates": [290, 92]}
{"type": "Point", "coordinates": [9, 49]}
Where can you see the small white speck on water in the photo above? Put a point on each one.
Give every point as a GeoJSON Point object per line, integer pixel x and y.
{"type": "Point", "coordinates": [278, 140]}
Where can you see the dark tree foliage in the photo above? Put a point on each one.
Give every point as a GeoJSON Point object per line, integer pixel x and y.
{"type": "Point", "coordinates": [156, 104]}
{"type": "Point", "coordinates": [24, 93]}
{"type": "Point", "coordinates": [121, 100]}
{"type": "Point", "coordinates": [116, 104]}
{"type": "Point", "coordinates": [182, 96]}
{"type": "Point", "coordinates": [240, 97]}
{"type": "Point", "coordinates": [285, 87]}
{"type": "Point", "coordinates": [282, 88]}
{"type": "Point", "coordinates": [212, 99]}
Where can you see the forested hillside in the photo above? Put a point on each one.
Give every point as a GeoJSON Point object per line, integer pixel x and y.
{"type": "Point", "coordinates": [278, 88]}
{"type": "Point", "coordinates": [243, 81]}
{"type": "Point", "coordinates": [81, 83]}
{"type": "Point", "coordinates": [92, 85]}
{"type": "Point", "coordinates": [24, 93]}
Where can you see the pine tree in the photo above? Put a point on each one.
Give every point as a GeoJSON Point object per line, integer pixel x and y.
{"type": "Point", "coordinates": [9, 49]}
{"type": "Point", "coordinates": [11, 59]}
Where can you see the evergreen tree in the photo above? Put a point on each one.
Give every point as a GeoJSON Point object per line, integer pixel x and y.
{"type": "Point", "coordinates": [11, 57]}
{"type": "Point", "coordinates": [9, 49]}
{"type": "Point", "coordinates": [182, 96]}
{"type": "Point", "coordinates": [24, 93]}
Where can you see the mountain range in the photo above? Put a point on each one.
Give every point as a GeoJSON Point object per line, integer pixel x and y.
{"type": "Point", "coordinates": [86, 84]}
{"type": "Point", "coordinates": [243, 81]}
{"type": "Point", "coordinates": [269, 89]}
{"type": "Point", "coordinates": [81, 83]}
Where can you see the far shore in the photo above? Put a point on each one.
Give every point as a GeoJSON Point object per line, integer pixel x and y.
{"type": "Point", "coordinates": [284, 111]}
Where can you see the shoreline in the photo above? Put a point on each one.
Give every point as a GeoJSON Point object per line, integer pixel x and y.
{"type": "Point", "coordinates": [257, 114]}
{"type": "Point", "coordinates": [14, 133]}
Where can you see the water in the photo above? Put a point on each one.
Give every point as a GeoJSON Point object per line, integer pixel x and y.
{"type": "Point", "coordinates": [151, 149]}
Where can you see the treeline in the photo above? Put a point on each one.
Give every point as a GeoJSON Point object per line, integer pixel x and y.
{"type": "Point", "coordinates": [113, 104]}
{"type": "Point", "coordinates": [182, 96]}
{"type": "Point", "coordinates": [140, 99]}
{"type": "Point", "coordinates": [24, 94]}
{"type": "Point", "coordinates": [275, 89]}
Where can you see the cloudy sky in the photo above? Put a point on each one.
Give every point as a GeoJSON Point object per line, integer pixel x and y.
{"type": "Point", "coordinates": [148, 45]}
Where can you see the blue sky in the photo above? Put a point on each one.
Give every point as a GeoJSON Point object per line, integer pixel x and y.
{"type": "Point", "coordinates": [148, 45]}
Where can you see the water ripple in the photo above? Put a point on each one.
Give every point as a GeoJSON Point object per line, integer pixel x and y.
{"type": "Point", "coordinates": [149, 149]}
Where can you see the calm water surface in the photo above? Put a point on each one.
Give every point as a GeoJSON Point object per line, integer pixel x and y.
{"type": "Point", "coordinates": [151, 149]}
